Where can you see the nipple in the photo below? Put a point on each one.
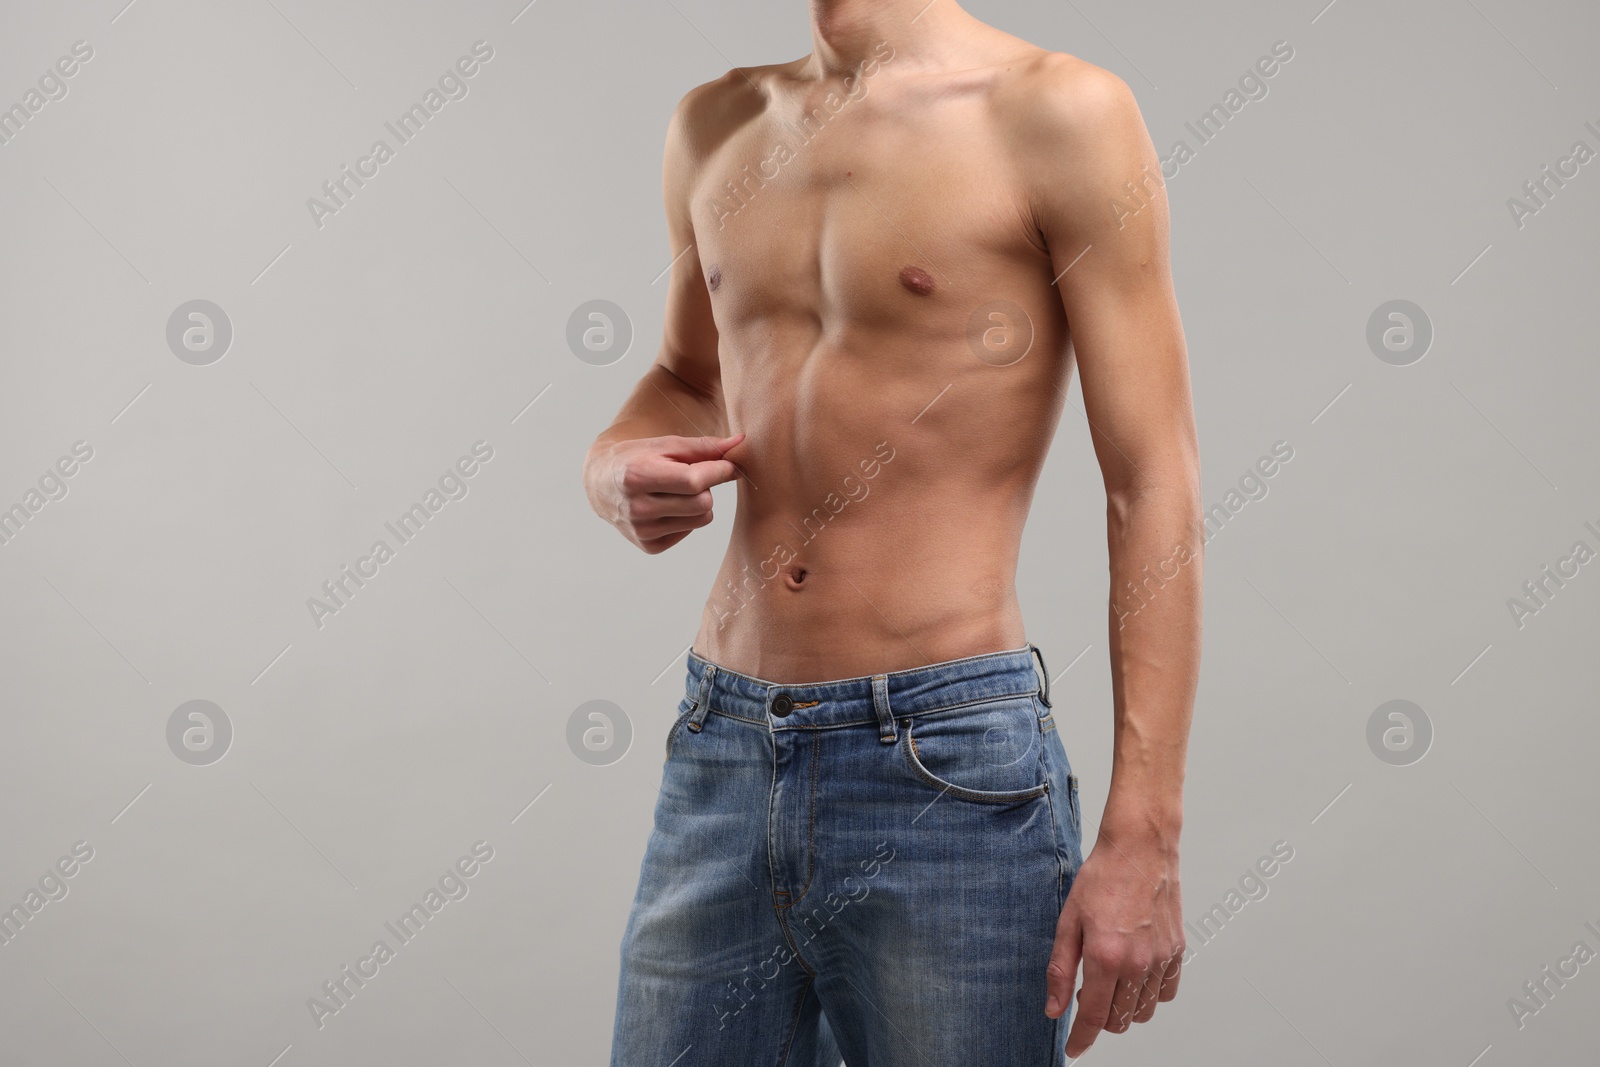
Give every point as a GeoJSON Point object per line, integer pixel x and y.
{"type": "Point", "coordinates": [714, 278]}
{"type": "Point", "coordinates": [917, 280]}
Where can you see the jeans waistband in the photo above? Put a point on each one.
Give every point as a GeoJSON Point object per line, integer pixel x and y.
{"type": "Point", "coordinates": [879, 698]}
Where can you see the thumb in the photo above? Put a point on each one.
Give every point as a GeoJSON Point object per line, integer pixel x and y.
{"type": "Point", "coordinates": [709, 472]}
{"type": "Point", "coordinates": [693, 449]}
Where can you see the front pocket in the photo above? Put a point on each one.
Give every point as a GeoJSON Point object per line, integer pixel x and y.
{"type": "Point", "coordinates": [986, 752]}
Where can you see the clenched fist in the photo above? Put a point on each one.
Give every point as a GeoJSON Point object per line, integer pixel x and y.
{"type": "Point", "coordinates": [657, 490]}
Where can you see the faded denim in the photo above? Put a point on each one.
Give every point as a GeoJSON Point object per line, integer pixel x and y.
{"type": "Point", "coordinates": [868, 869]}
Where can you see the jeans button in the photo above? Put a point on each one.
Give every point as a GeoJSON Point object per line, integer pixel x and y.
{"type": "Point", "coordinates": [782, 705]}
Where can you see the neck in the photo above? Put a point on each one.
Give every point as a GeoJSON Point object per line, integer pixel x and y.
{"type": "Point", "coordinates": [846, 33]}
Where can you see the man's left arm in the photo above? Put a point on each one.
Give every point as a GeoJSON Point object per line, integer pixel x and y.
{"type": "Point", "coordinates": [1098, 200]}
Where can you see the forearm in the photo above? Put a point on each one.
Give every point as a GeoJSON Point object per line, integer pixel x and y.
{"type": "Point", "coordinates": [662, 404]}
{"type": "Point", "coordinates": [1156, 549]}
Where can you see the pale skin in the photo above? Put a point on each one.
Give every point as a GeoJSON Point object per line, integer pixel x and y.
{"type": "Point", "coordinates": [869, 333]}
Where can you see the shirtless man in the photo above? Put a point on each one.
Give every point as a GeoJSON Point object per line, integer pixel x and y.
{"type": "Point", "coordinates": [868, 828]}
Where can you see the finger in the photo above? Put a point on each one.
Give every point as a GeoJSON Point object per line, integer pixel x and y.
{"type": "Point", "coordinates": [661, 544]}
{"type": "Point", "coordinates": [1094, 1005]}
{"type": "Point", "coordinates": [663, 505]}
{"type": "Point", "coordinates": [651, 529]}
{"type": "Point", "coordinates": [1062, 971]}
{"type": "Point", "coordinates": [693, 449]}
{"type": "Point", "coordinates": [709, 472]}
{"type": "Point", "coordinates": [1174, 971]}
{"type": "Point", "coordinates": [662, 474]}
{"type": "Point", "coordinates": [1149, 997]}
{"type": "Point", "coordinates": [1124, 1004]}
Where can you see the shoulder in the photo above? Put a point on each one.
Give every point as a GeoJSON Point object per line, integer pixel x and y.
{"type": "Point", "coordinates": [1079, 143]}
{"type": "Point", "coordinates": [706, 115]}
{"type": "Point", "coordinates": [1055, 100]}
{"type": "Point", "coordinates": [703, 120]}
{"type": "Point", "coordinates": [1078, 138]}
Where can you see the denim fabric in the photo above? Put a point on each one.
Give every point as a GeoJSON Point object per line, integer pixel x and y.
{"type": "Point", "coordinates": [868, 869]}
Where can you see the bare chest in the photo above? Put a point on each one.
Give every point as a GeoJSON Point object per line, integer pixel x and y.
{"type": "Point", "coordinates": [874, 213]}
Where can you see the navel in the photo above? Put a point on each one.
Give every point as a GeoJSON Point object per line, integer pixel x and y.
{"type": "Point", "coordinates": [714, 278]}
{"type": "Point", "coordinates": [917, 280]}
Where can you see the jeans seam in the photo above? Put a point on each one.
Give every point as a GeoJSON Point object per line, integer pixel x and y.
{"type": "Point", "coordinates": [898, 714]}
{"type": "Point", "coordinates": [714, 710]}
{"type": "Point", "coordinates": [1055, 837]}
{"type": "Point", "coordinates": [1061, 880]}
{"type": "Point", "coordinates": [1077, 811]}
{"type": "Point", "coordinates": [811, 823]}
{"type": "Point", "coordinates": [1025, 650]}
{"type": "Point", "coordinates": [972, 703]}
{"type": "Point", "coordinates": [912, 713]}
{"type": "Point", "coordinates": [730, 715]}
{"type": "Point", "coordinates": [794, 1019]}
{"type": "Point", "coordinates": [788, 937]}
{"type": "Point", "coordinates": [672, 733]}
{"type": "Point", "coordinates": [772, 872]}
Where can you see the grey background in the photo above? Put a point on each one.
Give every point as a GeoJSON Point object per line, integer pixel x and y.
{"type": "Point", "coordinates": [432, 712]}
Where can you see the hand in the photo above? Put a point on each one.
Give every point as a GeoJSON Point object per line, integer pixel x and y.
{"type": "Point", "coordinates": [657, 490]}
{"type": "Point", "coordinates": [1124, 922]}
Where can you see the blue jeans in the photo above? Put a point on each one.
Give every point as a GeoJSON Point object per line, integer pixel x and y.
{"type": "Point", "coordinates": [868, 869]}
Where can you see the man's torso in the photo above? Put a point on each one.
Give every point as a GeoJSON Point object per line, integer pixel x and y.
{"type": "Point", "coordinates": [893, 345]}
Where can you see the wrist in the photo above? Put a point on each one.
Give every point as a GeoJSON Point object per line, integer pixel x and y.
{"type": "Point", "coordinates": [595, 468]}
{"type": "Point", "coordinates": [1149, 828]}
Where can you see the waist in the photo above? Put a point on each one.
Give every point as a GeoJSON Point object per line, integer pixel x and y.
{"type": "Point", "coordinates": [935, 687]}
{"type": "Point", "coordinates": [863, 606]}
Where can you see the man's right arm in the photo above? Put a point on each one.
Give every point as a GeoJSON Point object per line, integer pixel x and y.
{"type": "Point", "coordinates": [650, 472]}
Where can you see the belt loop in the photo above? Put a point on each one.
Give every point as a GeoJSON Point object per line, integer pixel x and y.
{"type": "Point", "coordinates": [880, 702]}
{"type": "Point", "coordinates": [702, 700]}
{"type": "Point", "coordinates": [1044, 686]}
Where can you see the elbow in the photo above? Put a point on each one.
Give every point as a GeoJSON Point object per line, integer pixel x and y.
{"type": "Point", "coordinates": [1168, 496]}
